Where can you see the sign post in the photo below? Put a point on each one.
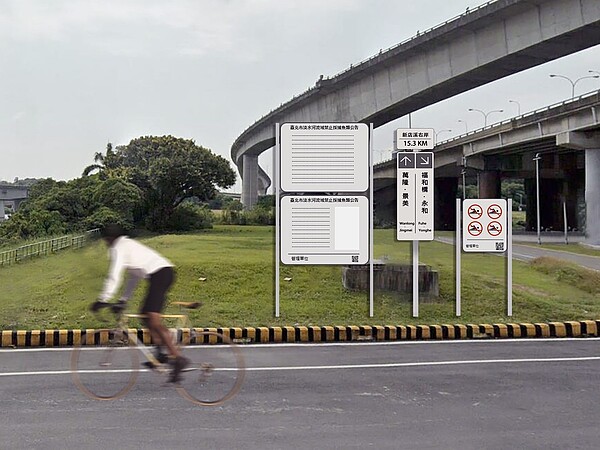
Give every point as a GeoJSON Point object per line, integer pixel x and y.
{"type": "Point", "coordinates": [486, 228]}
{"type": "Point", "coordinates": [325, 213]}
{"type": "Point", "coordinates": [414, 194]}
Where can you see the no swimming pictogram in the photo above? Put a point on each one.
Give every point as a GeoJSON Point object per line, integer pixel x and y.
{"type": "Point", "coordinates": [475, 211]}
{"type": "Point", "coordinates": [475, 228]}
{"type": "Point", "coordinates": [494, 228]}
{"type": "Point", "coordinates": [494, 211]}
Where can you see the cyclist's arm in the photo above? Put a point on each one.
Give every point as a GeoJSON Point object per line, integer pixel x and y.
{"type": "Point", "coordinates": [115, 273]}
{"type": "Point", "coordinates": [132, 282]}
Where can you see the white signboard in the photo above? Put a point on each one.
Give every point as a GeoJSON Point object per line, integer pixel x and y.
{"type": "Point", "coordinates": [324, 229]}
{"type": "Point", "coordinates": [484, 225]}
{"type": "Point", "coordinates": [324, 157]}
{"type": "Point", "coordinates": [415, 196]}
{"type": "Point", "coordinates": [415, 139]}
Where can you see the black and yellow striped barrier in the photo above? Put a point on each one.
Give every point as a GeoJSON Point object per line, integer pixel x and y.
{"type": "Point", "coordinates": [349, 333]}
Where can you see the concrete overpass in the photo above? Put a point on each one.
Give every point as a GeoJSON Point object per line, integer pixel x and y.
{"type": "Point", "coordinates": [494, 40]}
{"type": "Point", "coordinates": [566, 136]}
{"type": "Point", "coordinates": [13, 194]}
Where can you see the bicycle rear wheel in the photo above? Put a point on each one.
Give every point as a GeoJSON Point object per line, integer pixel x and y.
{"type": "Point", "coordinates": [107, 372]}
{"type": "Point", "coordinates": [216, 372]}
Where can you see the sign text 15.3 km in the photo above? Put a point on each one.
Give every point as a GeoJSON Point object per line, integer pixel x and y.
{"type": "Point", "coordinates": [415, 139]}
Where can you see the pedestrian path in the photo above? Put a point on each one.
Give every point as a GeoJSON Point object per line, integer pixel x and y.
{"type": "Point", "coordinates": [524, 249]}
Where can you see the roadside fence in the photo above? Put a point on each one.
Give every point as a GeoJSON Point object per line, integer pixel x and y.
{"type": "Point", "coordinates": [46, 247]}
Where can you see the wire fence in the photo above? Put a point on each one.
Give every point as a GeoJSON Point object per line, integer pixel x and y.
{"type": "Point", "coordinates": [46, 247]}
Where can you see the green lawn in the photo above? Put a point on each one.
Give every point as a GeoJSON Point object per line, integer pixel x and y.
{"type": "Point", "coordinates": [238, 264]}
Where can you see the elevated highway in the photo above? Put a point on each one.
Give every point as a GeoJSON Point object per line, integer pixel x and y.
{"type": "Point", "coordinates": [13, 194]}
{"type": "Point", "coordinates": [566, 138]}
{"type": "Point", "coordinates": [492, 41]}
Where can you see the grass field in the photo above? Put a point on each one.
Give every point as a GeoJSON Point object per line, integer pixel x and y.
{"type": "Point", "coordinates": [238, 266]}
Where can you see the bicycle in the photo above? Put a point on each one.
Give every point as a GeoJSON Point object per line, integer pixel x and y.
{"type": "Point", "coordinates": [108, 372]}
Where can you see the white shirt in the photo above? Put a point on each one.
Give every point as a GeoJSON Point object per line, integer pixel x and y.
{"type": "Point", "coordinates": [138, 260]}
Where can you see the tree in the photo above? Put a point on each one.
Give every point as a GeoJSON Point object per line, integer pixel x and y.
{"type": "Point", "coordinates": [107, 165]}
{"type": "Point", "coordinates": [170, 170]}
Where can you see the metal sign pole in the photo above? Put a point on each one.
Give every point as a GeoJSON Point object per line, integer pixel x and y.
{"type": "Point", "coordinates": [458, 250]}
{"type": "Point", "coordinates": [277, 183]}
{"type": "Point", "coordinates": [415, 252]}
{"type": "Point", "coordinates": [371, 220]}
{"type": "Point", "coordinates": [509, 257]}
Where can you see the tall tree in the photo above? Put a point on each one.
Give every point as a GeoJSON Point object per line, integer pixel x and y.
{"type": "Point", "coordinates": [170, 170]}
{"type": "Point", "coordinates": [107, 165]}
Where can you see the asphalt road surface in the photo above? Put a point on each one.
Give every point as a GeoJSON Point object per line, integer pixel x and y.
{"type": "Point", "coordinates": [525, 249]}
{"type": "Point", "coordinates": [499, 394]}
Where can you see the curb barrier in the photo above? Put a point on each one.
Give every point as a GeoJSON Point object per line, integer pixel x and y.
{"type": "Point", "coordinates": [299, 334]}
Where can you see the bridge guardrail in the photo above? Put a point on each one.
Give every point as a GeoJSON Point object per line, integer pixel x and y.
{"type": "Point", "coordinates": [364, 61]}
{"type": "Point", "coordinates": [46, 247]}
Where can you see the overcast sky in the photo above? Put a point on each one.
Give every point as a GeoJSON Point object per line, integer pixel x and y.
{"type": "Point", "coordinates": [76, 74]}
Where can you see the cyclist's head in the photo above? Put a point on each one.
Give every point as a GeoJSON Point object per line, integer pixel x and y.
{"type": "Point", "coordinates": [111, 231]}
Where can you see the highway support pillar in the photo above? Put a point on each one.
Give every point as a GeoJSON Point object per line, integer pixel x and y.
{"type": "Point", "coordinates": [250, 181]}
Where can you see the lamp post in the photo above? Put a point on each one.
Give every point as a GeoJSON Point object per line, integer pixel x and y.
{"type": "Point", "coordinates": [518, 106]}
{"type": "Point", "coordinates": [441, 131]}
{"type": "Point", "coordinates": [463, 172]}
{"type": "Point", "coordinates": [573, 83]}
{"type": "Point", "coordinates": [466, 128]}
{"type": "Point", "coordinates": [537, 194]}
{"type": "Point", "coordinates": [485, 115]}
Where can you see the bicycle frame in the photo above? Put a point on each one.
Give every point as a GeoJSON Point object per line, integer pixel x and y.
{"type": "Point", "coordinates": [200, 389]}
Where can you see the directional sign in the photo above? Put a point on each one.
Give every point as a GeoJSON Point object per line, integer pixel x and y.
{"type": "Point", "coordinates": [484, 228]}
{"type": "Point", "coordinates": [415, 196]}
{"type": "Point", "coordinates": [415, 139]}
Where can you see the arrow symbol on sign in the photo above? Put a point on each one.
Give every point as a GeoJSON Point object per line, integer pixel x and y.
{"type": "Point", "coordinates": [405, 160]}
{"type": "Point", "coordinates": [425, 159]}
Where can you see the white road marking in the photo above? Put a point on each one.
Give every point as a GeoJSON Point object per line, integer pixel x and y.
{"type": "Point", "coordinates": [484, 341]}
{"type": "Point", "coordinates": [349, 366]}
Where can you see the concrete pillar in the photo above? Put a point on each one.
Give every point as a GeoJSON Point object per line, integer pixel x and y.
{"type": "Point", "coordinates": [1, 210]}
{"type": "Point", "coordinates": [385, 205]}
{"type": "Point", "coordinates": [489, 184]}
{"type": "Point", "coordinates": [444, 201]}
{"type": "Point", "coordinates": [250, 181]}
{"type": "Point", "coordinates": [592, 196]}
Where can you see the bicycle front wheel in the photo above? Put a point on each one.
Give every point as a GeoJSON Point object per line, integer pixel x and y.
{"type": "Point", "coordinates": [107, 372]}
{"type": "Point", "coordinates": [216, 372]}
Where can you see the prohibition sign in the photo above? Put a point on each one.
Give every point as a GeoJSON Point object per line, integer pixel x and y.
{"type": "Point", "coordinates": [475, 211]}
{"type": "Point", "coordinates": [494, 228]}
{"type": "Point", "coordinates": [475, 228]}
{"type": "Point", "coordinates": [494, 211]}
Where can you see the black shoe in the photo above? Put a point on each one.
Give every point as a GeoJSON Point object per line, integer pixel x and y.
{"type": "Point", "coordinates": [179, 365]}
{"type": "Point", "coordinates": [161, 357]}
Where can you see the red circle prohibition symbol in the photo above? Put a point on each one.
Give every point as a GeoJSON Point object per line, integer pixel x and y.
{"type": "Point", "coordinates": [475, 228]}
{"type": "Point", "coordinates": [494, 228]}
{"type": "Point", "coordinates": [475, 211]}
{"type": "Point", "coordinates": [494, 211]}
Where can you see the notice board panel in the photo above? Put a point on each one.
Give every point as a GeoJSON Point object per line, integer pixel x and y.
{"type": "Point", "coordinates": [324, 229]}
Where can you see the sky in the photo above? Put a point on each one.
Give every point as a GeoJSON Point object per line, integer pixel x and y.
{"type": "Point", "coordinates": [77, 74]}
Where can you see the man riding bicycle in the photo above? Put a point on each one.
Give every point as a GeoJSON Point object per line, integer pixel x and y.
{"type": "Point", "coordinates": [139, 261]}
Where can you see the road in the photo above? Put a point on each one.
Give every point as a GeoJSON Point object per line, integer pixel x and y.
{"type": "Point", "coordinates": [455, 394]}
{"type": "Point", "coordinates": [524, 249]}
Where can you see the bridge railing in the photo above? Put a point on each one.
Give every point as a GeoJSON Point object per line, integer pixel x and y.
{"type": "Point", "coordinates": [46, 247]}
{"type": "Point", "coordinates": [524, 115]}
{"type": "Point", "coordinates": [365, 61]}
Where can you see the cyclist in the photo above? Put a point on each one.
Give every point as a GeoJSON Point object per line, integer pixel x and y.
{"type": "Point", "coordinates": [139, 261]}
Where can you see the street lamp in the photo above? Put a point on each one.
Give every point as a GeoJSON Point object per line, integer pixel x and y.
{"type": "Point", "coordinates": [518, 106]}
{"type": "Point", "coordinates": [485, 115]}
{"type": "Point", "coordinates": [537, 193]}
{"type": "Point", "coordinates": [441, 131]}
{"type": "Point", "coordinates": [466, 128]}
{"type": "Point", "coordinates": [573, 83]}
